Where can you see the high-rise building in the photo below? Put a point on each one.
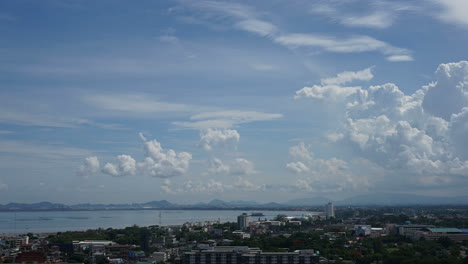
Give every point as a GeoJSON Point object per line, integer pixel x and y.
{"type": "Point", "coordinates": [329, 210]}
{"type": "Point", "coordinates": [243, 221]}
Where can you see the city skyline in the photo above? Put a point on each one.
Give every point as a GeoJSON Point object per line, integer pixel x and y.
{"type": "Point", "coordinates": [190, 101]}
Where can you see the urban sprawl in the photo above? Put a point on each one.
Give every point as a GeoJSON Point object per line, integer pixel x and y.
{"type": "Point", "coordinates": [389, 235]}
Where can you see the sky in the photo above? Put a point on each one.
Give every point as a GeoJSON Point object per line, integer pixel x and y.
{"type": "Point", "coordinates": [122, 101]}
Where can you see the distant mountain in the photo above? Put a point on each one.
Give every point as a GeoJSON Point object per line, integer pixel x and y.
{"type": "Point", "coordinates": [400, 199]}
{"type": "Point", "coordinates": [243, 203]}
{"type": "Point", "coordinates": [217, 203]}
{"type": "Point", "coordinates": [34, 206]}
{"type": "Point", "coordinates": [313, 201]}
{"type": "Point", "coordinates": [159, 204]}
{"type": "Point", "coordinates": [378, 199]}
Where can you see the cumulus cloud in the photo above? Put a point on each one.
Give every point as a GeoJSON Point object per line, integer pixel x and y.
{"type": "Point", "coordinates": [349, 76]}
{"type": "Point", "coordinates": [236, 167]}
{"type": "Point", "coordinates": [331, 175]}
{"type": "Point", "coordinates": [124, 166]}
{"type": "Point", "coordinates": [242, 167]}
{"type": "Point", "coordinates": [218, 138]}
{"type": "Point", "coordinates": [450, 93]}
{"type": "Point", "coordinates": [297, 167]}
{"type": "Point", "coordinates": [90, 166]}
{"type": "Point", "coordinates": [423, 134]}
{"type": "Point", "coordinates": [157, 162]}
{"type": "Point", "coordinates": [332, 89]}
{"type": "Point", "coordinates": [163, 163]}
{"type": "Point", "coordinates": [245, 185]}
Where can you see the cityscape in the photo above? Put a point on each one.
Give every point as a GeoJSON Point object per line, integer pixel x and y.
{"type": "Point", "coordinates": [333, 235]}
{"type": "Point", "coordinates": [234, 132]}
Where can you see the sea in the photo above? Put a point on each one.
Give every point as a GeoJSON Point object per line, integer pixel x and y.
{"type": "Point", "coordinates": [59, 221]}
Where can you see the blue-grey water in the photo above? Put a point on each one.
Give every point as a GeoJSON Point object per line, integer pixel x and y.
{"type": "Point", "coordinates": [57, 221]}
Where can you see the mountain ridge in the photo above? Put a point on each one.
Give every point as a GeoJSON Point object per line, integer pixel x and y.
{"type": "Point", "coordinates": [371, 199]}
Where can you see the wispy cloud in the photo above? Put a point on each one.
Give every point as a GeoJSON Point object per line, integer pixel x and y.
{"type": "Point", "coordinates": [349, 44]}
{"type": "Point", "coordinates": [137, 103]}
{"type": "Point", "coordinates": [246, 18]}
{"type": "Point", "coordinates": [378, 14]}
{"type": "Point", "coordinates": [256, 26]}
{"type": "Point", "coordinates": [226, 119]}
{"type": "Point", "coordinates": [50, 152]}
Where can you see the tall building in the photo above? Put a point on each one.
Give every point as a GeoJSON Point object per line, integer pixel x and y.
{"type": "Point", "coordinates": [329, 210]}
{"type": "Point", "coordinates": [243, 221]}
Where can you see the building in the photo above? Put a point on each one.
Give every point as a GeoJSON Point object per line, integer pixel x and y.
{"type": "Point", "coordinates": [456, 234]}
{"type": "Point", "coordinates": [243, 221]}
{"type": "Point", "coordinates": [329, 210]}
{"type": "Point", "coordinates": [246, 255]}
{"type": "Point", "coordinates": [16, 242]}
{"type": "Point", "coordinates": [31, 257]}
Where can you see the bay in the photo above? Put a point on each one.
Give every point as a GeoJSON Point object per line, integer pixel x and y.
{"type": "Point", "coordinates": [59, 221]}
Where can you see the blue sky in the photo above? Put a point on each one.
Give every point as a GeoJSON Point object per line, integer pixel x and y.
{"type": "Point", "coordinates": [112, 101]}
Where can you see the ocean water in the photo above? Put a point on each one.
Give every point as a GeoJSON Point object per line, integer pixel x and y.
{"type": "Point", "coordinates": [57, 221]}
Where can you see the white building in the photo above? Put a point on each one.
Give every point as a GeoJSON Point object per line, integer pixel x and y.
{"type": "Point", "coordinates": [243, 221]}
{"type": "Point", "coordinates": [329, 210]}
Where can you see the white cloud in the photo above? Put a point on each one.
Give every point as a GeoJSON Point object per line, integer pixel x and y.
{"type": "Point", "coordinates": [256, 26]}
{"type": "Point", "coordinates": [351, 44]}
{"type": "Point", "coordinates": [4, 132]}
{"type": "Point", "coordinates": [374, 14]}
{"type": "Point", "coordinates": [331, 89]}
{"type": "Point", "coordinates": [349, 76]}
{"type": "Point", "coordinates": [242, 167]}
{"type": "Point", "coordinates": [169, 39]}
{"type": "Point", "coordinates": [136, 103]}
{"type": "Point", "coordinates": [420, 134]}
{"type": "Point", "coordinates": [300, 151]}
{"type": "Point", "coordinates": [327, 92]}
{"type": "Point", "coordinates": [158, 162]}
{"type": "Point", "coordinates": [400, 58]}
{"type": "Point", "coordinates": [335, 137]}
{"type": "Point", "coordinates": [378, 20]}
{"type": "Point", "coordinates": [297, 167]}
{"type": "Point", "coordinates": [90, 166]}
{"type": "Point", "coordinates": [453, 11]}
{"type": "Point", "coordinates": [218, 138]}
{"type": "Point", "coordinates": [240, 16]}
{"type": "Point", "coordinates": [245, 185]}
{"type": "Point", "coordinates": [238, 166]}
{"type": "Point", "coordinates": [125, 166]}
{"type": "Point", "coordinates": [163, 163]}
{"type": "Point", "coordinates": [450, 93]}
{"type": "Point", "coordinates": [218, 167]}
{"type": "Point", "coordinates": [325, 175]}
{"type": "Point", "coordinates": [225, 119]}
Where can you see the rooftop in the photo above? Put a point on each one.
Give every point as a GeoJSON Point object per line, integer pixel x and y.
{"type": "Point", "coordinates": [445, 230]}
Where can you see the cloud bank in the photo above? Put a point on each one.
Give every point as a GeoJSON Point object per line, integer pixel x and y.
{"type": "Point", "coordinates": [422, 135]}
